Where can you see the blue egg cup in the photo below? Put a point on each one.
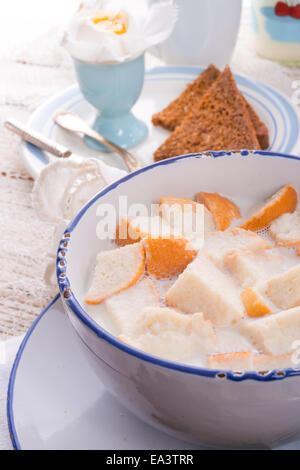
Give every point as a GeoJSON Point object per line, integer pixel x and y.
{"type": "Point", "coordinates": [113, 89]}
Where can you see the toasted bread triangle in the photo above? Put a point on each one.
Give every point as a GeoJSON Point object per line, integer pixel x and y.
{"type": "Point", "coordinates": [172, 115]}
{"type": "Point", "coordinates": [176, 111]}
{"type": "Point", "coordinates": [220, 122]}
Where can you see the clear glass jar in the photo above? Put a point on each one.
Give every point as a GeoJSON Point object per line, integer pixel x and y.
{"type": "Point", "coordinates": [277, 29]}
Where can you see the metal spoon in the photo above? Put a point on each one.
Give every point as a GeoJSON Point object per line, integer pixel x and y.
{"type": "Point", "coordinates": [72, 122]}
{"type": "Point", "coordinates": [37, 139]}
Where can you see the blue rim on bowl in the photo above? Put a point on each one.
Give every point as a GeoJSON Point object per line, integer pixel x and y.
{"type": "Point", "coordinates": [73, 303]}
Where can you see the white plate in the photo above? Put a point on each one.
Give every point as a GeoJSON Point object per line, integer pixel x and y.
{"type": "Point", "coordinates": [161, 86]}
{"type": "Point", "coordinates": [55, 401]}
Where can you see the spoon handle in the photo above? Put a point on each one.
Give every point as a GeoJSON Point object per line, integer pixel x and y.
{"type": "Point", "coordinates": [37, 139]}
{"type": "Point", "coordinates": [130, 160]}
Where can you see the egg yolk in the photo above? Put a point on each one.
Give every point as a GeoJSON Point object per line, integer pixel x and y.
{"type": "Point", "coordinates": [115, 23]}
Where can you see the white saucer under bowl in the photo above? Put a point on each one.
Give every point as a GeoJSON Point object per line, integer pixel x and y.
{"type": "Point", "coordinates": [55, 401]}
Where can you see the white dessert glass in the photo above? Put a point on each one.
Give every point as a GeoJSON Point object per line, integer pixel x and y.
{"type": "Point", "coordinates": [277, 29]}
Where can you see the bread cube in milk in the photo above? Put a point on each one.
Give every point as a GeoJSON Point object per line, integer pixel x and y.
{"type": "Point", "coordinates": [202, 287]}
{"type": "Point", "coordinates": [127, 307]}
{"type": "Point", "coordinates": [276, 333]}
{"type": "Point", "coordinates": [279, 292]}
{"type": "Point", "coordinates": [286, 229]}
{"type": "Point", "coordinates": [219, 244]}
{"type": "Point", "coordinates": [172, 335]}
{"type": "Point", "coordinates": [249, 267]}
{"type": "Point", "coordinates": [284, 289]}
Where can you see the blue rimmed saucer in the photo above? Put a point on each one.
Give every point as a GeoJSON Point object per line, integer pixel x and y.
{"type": "Point", "coordinates": [161, 85]}
{"type": "Point", "coordinates": [56, 402]}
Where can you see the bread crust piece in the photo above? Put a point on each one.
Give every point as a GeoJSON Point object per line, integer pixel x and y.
{"type": "Point", "coordinates": [130, 231]}
{"type": "Point", "coordinates": [112, 273]}
{"type": "Point", "coordinates": [222, 209]}
{"type": "Point", "coordinates": [170, 117]}
{"type": "Point", "coordinates": [124, 235]}
{"type": "Point", "coordinates": [237, 361]}
{"type": "Point", "coordinates": [254, 303]}
{"type": "Point", "coordinates": [283, 201]}
{"type": "Point", "coordinates": [220, 122]}
{"type": "Point", "coordinates": [168, 257]}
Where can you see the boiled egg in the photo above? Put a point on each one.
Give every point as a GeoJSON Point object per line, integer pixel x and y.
{"type": "Point", "coordinates": [111, 22]}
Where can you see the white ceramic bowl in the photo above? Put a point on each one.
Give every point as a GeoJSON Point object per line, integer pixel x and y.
{"type": "Point", "coordinates": [214, 408]}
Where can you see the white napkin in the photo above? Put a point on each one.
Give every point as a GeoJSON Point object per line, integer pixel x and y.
{"type": "Point", "coordinates": [8, 350]}
{"type": "Point", "coordinates": [60, 191]}
{"type": "Point", "coordinates": [88, 42]}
